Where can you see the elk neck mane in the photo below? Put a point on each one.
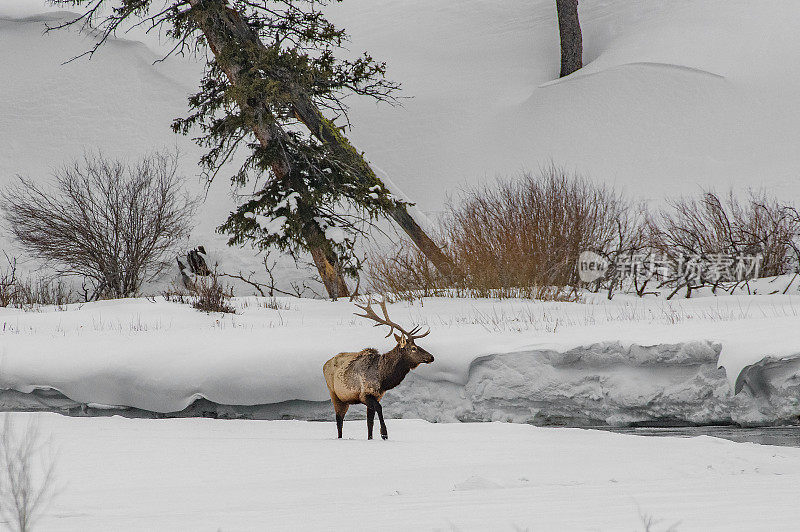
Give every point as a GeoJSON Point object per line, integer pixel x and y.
{"type": "Point", "coordinates": [392, 368]}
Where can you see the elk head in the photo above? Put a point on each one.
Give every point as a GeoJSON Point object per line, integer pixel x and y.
{"type": "Point", "coordinates": [406, 345]}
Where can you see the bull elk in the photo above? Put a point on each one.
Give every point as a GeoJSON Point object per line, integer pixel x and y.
{"type": "Point", "coordinates": [364, 377]}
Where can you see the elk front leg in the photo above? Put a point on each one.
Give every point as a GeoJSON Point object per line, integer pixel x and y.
{"type": "Point", "coordinates": [370, 421]}
{"type": "Point", "coordinates": [341, 409]}
{"type": "Point", "coordinates": [373, 403]}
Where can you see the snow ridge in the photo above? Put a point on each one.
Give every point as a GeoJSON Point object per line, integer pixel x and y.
{"type": "Point", "coordinates": [599, 384]}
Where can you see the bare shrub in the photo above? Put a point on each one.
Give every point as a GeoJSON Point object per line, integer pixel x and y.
{"type": "Point", "coordinates": [210, 295]}
{"type": "Point", "coordinates": [405, 273]}
{"type": "Point", "coordinates": [113, 223]}
{"type": "Point", "coordinates": [517, 238]}
{"type": "Point", "coordinates": [27, 476]}
{"type": "Point", "coordinates": [206, 293]}
{"type": "Point", "coordinates": [710, 224]}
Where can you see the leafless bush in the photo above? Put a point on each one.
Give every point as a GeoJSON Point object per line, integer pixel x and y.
{"type": "Point", "coordinates": [406, 274]}
{"type": "Point", "coordinates": [709, 225]}
{"type": "Point", "coordinates": [206, 293]}
{"type": "Point", "coordinates": [517, 238]}
{"type": "Point", "coordinates": [531, 231]}
{"type": "Point", "coordinates": [210, 295]}
{"type": "Point", "coordinates": [27, 476]}
{"type": "Point", "coordinates": [113, 223]}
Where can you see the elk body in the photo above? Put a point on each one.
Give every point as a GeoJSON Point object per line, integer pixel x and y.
{"type": "Point", "coordinates": [364, 377]}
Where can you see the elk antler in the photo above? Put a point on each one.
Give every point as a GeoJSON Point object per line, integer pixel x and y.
{"type": "Point", "coordinates": [369, 313]}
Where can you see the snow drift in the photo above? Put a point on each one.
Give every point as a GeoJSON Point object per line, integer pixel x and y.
{"type": "Point", "coordinates": [711, 360]}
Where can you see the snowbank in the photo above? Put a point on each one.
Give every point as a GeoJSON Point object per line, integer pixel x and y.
{"type": "Point", "coordinates": [626, 361]}
{"type": "Point", "coordinates": [594, 384]}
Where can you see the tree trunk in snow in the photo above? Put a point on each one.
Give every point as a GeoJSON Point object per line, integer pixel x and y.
{"type": "Point", "coordinates": [221, 26]}
{"type": "Point", "coordinates": [327, 132]}
{"type": "Point", "coordinates": [224, 24]}
{"type": "Point", "coordinates": [569, 28]}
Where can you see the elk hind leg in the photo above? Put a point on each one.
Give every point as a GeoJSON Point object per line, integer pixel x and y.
{"type": "Point", "coordinates": [373, 403]}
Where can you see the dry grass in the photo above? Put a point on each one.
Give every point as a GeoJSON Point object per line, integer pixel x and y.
{"type": "Point", "coordinates": [207, 293]}
{"type": "Point", "coordinates": [31, 293]}
{"type": "Point", "coordinates": [210, 295]}
{"type": "Point", "coordinates": [551, 318]}
{"type": "Point", "coordinates": [516, 238]}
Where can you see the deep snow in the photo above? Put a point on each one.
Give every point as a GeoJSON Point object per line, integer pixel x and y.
{"type": "Point", "coordinates": [618, 362]}
{"type": "Point", "coordinates": [123, 474]}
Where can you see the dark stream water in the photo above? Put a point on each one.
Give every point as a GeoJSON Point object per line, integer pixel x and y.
{"type": "Point", "coordinates": [787, 436]}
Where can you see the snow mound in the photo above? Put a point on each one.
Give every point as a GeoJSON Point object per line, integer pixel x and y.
{"type": "Point", "coordinates": [770, 389]}
{"type": "Point", "coordinates": [595, 384]}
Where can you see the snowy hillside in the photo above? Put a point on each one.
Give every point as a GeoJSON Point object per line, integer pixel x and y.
{"type": "Point", "coordinates": [676, 94]}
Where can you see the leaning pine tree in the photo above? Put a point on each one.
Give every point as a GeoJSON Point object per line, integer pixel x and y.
{"type": "Point", "coordinates": [273, 67]}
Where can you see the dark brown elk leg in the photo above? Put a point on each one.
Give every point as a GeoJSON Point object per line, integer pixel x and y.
{"type": "Point", "coordinates": [341, 409]}
{"type": "Point", "coordinates": [370, 421]}
{"type": "Point", "coordinates": [373, 403]}
{"type": "Point", "coordinates": [339, 423]}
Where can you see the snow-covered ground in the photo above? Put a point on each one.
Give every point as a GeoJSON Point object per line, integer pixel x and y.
{"type": "Point", "coordinates": [619, 362]}
{"type": "Point", "coordinates": [675, 95]}
{"type": "Point", "coordinates": [198, 474]}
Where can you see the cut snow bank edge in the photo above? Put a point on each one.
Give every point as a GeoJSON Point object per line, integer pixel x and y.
{"type": "Point", "coordinates": [599, 384]}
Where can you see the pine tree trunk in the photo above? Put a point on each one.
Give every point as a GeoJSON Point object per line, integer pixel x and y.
{"type": "Point", "coordinates": [569, 28]}
{"type": "Point", "coordinates": [331, 276]}
{"type": "Point", "coordinates": [229, 25]}
{"type": "Point", "coordinates": [327, 132]}
{"type": "Point", "coordinates": [221, 27]}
